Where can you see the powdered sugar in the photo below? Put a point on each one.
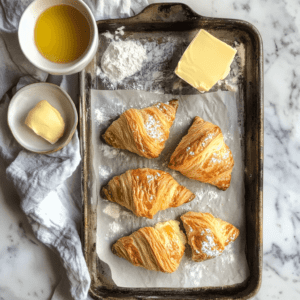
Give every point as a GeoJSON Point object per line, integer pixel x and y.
{"type": "Point", "coordinates": [114, 229]}
{"type": "Point", "coordinates": [157, 175]}
{"type": "Point", "coordinates": [122, 59]}
{"type": "Point", "coordinates": [100, 117]}
{"type": "Point", "coordinates": [209, 247]}
{"type": "Point", "coordinates": [218, 158]}
{"type": "Point", "coordinates": [103, 172]}
{"type": "Point", "coordinates": [108, 151]}
{"type": "Point", "coordinates": [150, 178]}
{"type": "Point", "coordinates": [226, 155]}
{"type": "Point", "coordinates": [214, 160]}
{"type": "Point", "coordinates": [119, 31]}
{"type": "Point", "coordinates": [153, 128]}
{"type": "Point", "coordinates": [209, 137]}
{"type": "Point", "coordinates": [108, 35]}
{"type": "Point", "coordinates": [113, 210]}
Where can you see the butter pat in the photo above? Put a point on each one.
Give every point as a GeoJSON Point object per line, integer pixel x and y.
{"type": "Point", "coordinates": [205, 61]}
{"type": "Point", "coordinates": [46, 121]}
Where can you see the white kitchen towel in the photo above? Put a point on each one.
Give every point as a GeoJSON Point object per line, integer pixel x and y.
{"type": "Point", "coordinates": [48, 185]}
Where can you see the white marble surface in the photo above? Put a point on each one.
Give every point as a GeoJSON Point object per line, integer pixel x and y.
{"type": "Point", "coordinates": [29, 270]}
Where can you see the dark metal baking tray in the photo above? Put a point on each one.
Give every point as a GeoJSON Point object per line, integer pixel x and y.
{"type": "Point", "coordinates": [179, 18]}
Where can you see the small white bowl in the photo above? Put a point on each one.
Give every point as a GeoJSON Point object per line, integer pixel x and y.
{"type": "Point", "coordinates": [25, 100]}
{"type": "Point", "coordinates": [27, 42]}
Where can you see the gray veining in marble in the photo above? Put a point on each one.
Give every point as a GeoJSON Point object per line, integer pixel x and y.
{"type": "Point", "coordinates": [279, 25]}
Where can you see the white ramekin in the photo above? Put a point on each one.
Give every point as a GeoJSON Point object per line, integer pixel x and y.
{"type": "Point", "coordinates": [27, 43]}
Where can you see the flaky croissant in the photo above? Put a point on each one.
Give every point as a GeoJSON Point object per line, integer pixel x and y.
{"type": "Point", "coordinates": [203, 155]}
{"type": "Point", "coordinates": [146, 191]}
{"type": "Point", "coordinates": [208, 236]}
{"type": "Point", "coordinates": [143, 131]}
{"type": "Point", "coordinates": [159, 249]}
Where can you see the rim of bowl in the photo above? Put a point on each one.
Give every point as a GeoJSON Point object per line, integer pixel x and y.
{"type": "Point", "coordinates": [84, 59]}
{"type": "Point", "coordinates": [72, 131]}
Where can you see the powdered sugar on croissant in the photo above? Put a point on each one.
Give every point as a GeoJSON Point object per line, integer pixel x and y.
{"type": "Point", "coordinates": [208, 236]}
{"type": "Point", "coordinates": [143, 131]}
{"type": "Point", "coordinates": [203, 155]}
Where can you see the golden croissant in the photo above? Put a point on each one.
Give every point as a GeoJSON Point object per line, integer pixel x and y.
{"type": "Point", "coordinates": [208, 236]}
{"type": "Point", "coordinates": [203, 155]}
{"type": "Point", "coordinates": [159, 249]}
{"type": "Point", "coordinates": [146, 191]}
{"type": "Point", "coordinates": [143, 131]}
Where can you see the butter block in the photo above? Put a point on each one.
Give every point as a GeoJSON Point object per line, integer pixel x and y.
{"type": "Point", "coordinates": [205, 61]}
{"type": "Point", "coordinates": [46, 121]}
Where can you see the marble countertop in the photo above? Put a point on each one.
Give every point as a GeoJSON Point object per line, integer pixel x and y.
{"type": "Point", "coordinates": [29, 270]}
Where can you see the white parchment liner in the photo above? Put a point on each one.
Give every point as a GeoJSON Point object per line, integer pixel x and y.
{"type": "Point", "coordinates": [115, 221]}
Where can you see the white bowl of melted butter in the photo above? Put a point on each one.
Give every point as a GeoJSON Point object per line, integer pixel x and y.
{"type": "Point", "coordinates": [58, 36]}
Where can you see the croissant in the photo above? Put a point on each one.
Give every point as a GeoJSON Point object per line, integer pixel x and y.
{"type": "Point", "coordinates": [203, 155]}
{"type": "Point", "coordinates": [159, 249]}
{"type": "Point", "coordinates": [208, 236]}
{"type": "Point", "coordinates": [143, 131]}
{"type": "Point", "coordinates": [146, 191]}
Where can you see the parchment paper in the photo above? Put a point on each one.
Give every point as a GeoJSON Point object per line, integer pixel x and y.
{"type": "Point", "coordinates": [115, 221]}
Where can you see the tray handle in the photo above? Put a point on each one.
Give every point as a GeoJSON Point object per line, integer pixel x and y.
{"type": "Point", "coordinates": [167, 12]}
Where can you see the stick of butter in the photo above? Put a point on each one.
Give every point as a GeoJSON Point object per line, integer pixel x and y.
{"type": "Point", "coordinates": [46, 121]}
{"type": "Point", "coordinates": [205, 61]}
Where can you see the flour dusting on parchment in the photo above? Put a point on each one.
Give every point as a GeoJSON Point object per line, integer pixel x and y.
{"type": "Point", "coordinates": [122, 59]}
{"type": "Point", "coordinates": [113, 210]}
{"type": "Point", "coordinates": [228, 268]}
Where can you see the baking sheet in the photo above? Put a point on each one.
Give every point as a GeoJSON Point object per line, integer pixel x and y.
{"type": "Point", "coordinates": [114, 221]}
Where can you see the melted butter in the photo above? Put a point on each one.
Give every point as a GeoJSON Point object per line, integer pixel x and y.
{"type": "Point", "coordinates": [62, 33]}
{"type": "Point", "coordinates": [205, 61]}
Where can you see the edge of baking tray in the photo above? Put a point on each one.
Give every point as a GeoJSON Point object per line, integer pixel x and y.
{"type": "Point", "coordinates": [252, 284]}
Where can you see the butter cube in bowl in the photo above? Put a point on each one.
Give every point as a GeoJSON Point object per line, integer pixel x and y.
{"type": "Point", "coordinates": [42, 117]}
{"type": "Point", "coordinates": [46, 121]}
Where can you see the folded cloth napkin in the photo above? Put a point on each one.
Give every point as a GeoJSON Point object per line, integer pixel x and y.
{"type": "Point", "coordinates": [48, 185]}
